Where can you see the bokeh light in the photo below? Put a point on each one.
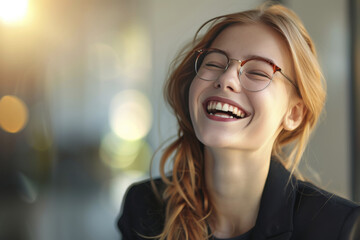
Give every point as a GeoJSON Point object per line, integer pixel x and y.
{"type": "Point", "coordinates": [130, 115]}
{"type": "Point", "coordinates": [121, 154]}
{"type": "Point", "coordinates": [134, 47]}
{"type": "Point", "coordinates": [13, 10]}
{"type": "Point", "coordinates": [13, 114]}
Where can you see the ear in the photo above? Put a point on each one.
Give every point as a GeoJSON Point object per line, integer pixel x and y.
{"type": "Point", "coordinates": [294, 115]}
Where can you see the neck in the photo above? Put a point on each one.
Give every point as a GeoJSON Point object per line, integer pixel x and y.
{"type": "Point", "coordinates": [235, 182]}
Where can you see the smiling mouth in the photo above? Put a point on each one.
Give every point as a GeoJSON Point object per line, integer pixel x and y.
{"type": "Point", "coordinates": [225, 110]}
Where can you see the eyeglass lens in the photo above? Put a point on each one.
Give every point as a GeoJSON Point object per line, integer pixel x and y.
{"type": "Point", "coordinates": [254, 75]}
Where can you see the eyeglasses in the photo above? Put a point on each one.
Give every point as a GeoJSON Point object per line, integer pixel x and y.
{"type": "Point", "coordinates": [256, 73]}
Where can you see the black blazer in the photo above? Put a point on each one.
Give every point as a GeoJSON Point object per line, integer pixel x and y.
{"type": "Point", "coordinates": [295, 211]}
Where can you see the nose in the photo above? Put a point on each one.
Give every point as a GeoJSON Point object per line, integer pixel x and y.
{"type": "Point", "coordinates": [229, 80]}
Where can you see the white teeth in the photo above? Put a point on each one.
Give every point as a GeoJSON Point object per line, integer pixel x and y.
{"type": "Point", "coordinates": [225, 108]}
{"type": "Point", "coordinates": [218, 106]}
{"type": "Point", "coordinates": [235, 110]}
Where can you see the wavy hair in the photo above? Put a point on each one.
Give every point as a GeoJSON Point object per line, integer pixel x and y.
{"type": "Point", "coordinates": [187, 203]}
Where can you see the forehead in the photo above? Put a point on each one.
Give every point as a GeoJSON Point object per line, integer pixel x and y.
{"type": "Point", "coordinates": [242, 40]}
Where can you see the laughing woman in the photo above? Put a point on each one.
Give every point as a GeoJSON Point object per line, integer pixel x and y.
{"type": "Point", "coordinates": [248, 88]}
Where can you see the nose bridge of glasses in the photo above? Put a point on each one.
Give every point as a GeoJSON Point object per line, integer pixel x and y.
{"type": "Point", "coordinates": [238, 65]}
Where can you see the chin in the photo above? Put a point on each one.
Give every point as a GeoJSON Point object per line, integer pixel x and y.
{"type": "Point", "coordinates": [216, 141]}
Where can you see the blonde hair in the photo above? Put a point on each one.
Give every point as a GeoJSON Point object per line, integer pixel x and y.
{"type": "Point", "coordinates": [187, 203]}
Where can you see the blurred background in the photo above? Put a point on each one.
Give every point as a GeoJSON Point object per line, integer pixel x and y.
{"type": "Point", "coordinates": [82, 113]}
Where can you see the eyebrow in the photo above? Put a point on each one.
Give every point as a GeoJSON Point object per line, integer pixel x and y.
{"type": "Point", "coordinates": [258, 56]}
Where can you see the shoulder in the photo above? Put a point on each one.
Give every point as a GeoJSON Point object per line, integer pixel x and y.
{"type": "Point", "coordinates": [324, 215]}
{"type": "Point", "coordinates": [142, 210]}
{"type": "Point", "coordinates": [144, 189]}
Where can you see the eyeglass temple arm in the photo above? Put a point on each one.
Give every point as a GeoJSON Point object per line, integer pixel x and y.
{"type": "Point", "coordinates": [297, 89]}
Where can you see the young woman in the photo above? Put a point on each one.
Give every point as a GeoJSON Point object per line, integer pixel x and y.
{"type": "Point", "coordinates": [248, 88]}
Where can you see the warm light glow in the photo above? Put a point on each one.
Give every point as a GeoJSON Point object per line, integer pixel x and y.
{"type": "Point", "coordinates": [135, 52]}
{"type": "Point", "coordinates": [13, 10]}
{"type": "Point", "coordinates": [13, 114]}
{"type": "Point", "coordinates": [130, 115]}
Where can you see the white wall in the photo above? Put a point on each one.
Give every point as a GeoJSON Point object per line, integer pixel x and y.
{"type": "Point", "coordinates": [329, 150]}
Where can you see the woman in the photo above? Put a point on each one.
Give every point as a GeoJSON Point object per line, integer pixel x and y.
{"type": "Point", "coordinates": [248, 88]}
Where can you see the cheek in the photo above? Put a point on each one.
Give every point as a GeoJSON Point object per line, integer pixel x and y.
{"type": "Point", "coordinates": [271, 108]}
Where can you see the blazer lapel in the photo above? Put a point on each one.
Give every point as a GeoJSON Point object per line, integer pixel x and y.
{"type": "Point", "coordinates": [275, 218]}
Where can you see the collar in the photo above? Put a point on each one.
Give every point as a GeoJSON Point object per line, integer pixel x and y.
{"type": "Point", "coordinates": [275, 217]}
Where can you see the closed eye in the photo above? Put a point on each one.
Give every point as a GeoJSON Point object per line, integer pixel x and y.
{"type": "Point", "coordinates": [256, 75]}
{"type": "Point", "coordinates": [214, 65]}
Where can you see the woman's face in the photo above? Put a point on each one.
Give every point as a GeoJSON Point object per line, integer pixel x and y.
{"type": "Point", "coordinates": [264, 111]}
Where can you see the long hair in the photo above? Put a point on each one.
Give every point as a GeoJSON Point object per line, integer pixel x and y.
{"type": "Point", "coordinates": [187, 203]}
